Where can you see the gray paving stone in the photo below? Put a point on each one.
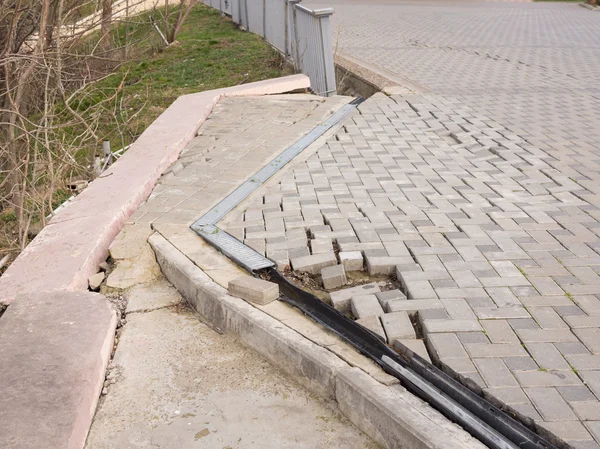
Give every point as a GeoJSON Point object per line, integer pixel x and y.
{"type": "Point", "coordinates": [364, 306]}
{"type": "Point", "coordinates": [576, 394]}
{"type": "Point", "coordinates": [520, 363]}
{"type": "Point", "coordinates": [477, 350]}
{"type": "Point", "coordinates": [590, 337]}
{"type": "Point", "coordinates": [495, 373]}
{"type": "Point", "coordinates": [314, 263]}
{"type": "Point", "coordinates": [413, 305]}
{"type": "Point", "coordinates": [341, 299]}
{"type": "Point", "coordinates": [333, 277]}
{"type": "Point", "coordinates": [543, 335]}
{"type": "Point", "coordinates": [445, 345]}
{"type": "Point", "coordinates": [416, 346]}
{"type": "Point", "coordinates": [499, 331]}
{"type": "Point", "coordinates": [546, 378]}
{"type": "Point", "coordinates": [550, 404]}
{"type": "Point", "coordinates": [547, 356]}
{"type": "Point", "coordinates": [386, 264]}
{"type": "Point", "coordinates": [254, 290]}
{"type": "Point", "coordinates": [437, 326]}
{"type": "Point", "coordinates": [351, 260]}
{"type": "Point", "coordinates": [374, 325]}
{"type": "Point", "coordinates": [397, 326]}
{"type": "Point", "coordinates": [389, 295]}
{"type": "Point", "coordinates": [572, 431]}
{"type": "Point", "coordinates": [592, 380]}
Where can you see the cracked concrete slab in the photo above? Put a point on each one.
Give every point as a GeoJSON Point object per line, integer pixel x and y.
{"type": "Point", "coordinates": [182, 385]}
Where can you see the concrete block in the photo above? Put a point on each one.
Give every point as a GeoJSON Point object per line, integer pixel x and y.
{"type": "Point", "coordinates": [374, 325]}
{"type": "Point", "coordinates": [55, 349]}
{"type": "Point", "coordinates": [365, 305]}
{"type": "Point", "coordinates": [413, 305]}
{"type": "Point", "coordinates": [314, 263]}
{"type": "Point", "coordinates": [434, 326]}
{"type": "Point", "coordinates": [351, 260]}
{"type": "Point", "coordinates": [254, 290]}
{"type": "Point", "coordinates": [397, 326]}
{"type": "Point", "coordinates": [341, 299]}
{"type": "Point", "coordinates": [333, 277]}
{"type": "Point", "coordinates": [321, 246]}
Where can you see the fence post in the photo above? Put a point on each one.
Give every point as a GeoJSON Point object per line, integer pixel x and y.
{"type": "Point", "coordinates": [323, 15]}
{"type": "Point", "coordinates": [290, 29]}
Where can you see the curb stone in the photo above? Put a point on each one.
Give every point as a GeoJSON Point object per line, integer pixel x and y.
{"type": "Point", "coordinates": [388, 414]}
{"type": "Point", "coordinates": [54, 350]}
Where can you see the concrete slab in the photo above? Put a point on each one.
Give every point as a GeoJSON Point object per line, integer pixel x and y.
{"type": "Point", "coordinates": [211, 393]}
{"type": "Point", "coordinates": [54, 352]}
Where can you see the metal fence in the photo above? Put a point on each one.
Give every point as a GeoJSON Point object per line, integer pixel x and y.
{"type": "Point", "coordinates": [301, 34]}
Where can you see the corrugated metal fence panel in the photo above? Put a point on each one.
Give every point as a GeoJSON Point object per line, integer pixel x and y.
{"type": "Point", "coordinates": [253, 14]}
{"type": "Point", "coordinates": [236, 11]}
{"type": "Point", "coordinates": [275, 23]}
{"type": "Point", "coordinates": [226, 6]}
{"type": "Point", "coordinates": [312, 56]}
{"type": "Point", "coordinates": [300, 33]}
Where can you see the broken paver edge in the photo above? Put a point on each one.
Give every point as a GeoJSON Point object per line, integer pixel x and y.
{"type": "Point", "coordinates": [69, 249]}
{"type": "Point", "coordinates": [388, 414]}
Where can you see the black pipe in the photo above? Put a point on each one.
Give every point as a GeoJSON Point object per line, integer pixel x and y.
{"type": "Point", "coordinates": [491, 425]}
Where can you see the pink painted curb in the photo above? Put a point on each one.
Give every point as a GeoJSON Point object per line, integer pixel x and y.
{"type": "Point", "coordinates": [68, 250]}
{"type": "Point", "coordinates": [54, 352]}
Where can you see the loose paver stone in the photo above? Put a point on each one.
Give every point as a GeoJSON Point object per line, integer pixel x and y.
{"type": "Point", "coordinates": [333, 277]}
{"type": "Point", "coordinates": [254, 290]}
{"type": "Point", "coordinates": [364, 306]}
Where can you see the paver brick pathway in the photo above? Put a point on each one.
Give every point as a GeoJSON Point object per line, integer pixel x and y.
{"type": "Point", "coordinates": [491, 174]}
{"type": "Point", "coordinates": [482, 226]}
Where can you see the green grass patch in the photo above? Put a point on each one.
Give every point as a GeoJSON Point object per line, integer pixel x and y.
{"type": "Point", "coordinates": [210, 53]}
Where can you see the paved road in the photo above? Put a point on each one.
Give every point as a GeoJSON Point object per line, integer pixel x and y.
{"type": "Point", "coordinates": [533, 67]}
{"type": "Point", "coordinates": [489, 179]}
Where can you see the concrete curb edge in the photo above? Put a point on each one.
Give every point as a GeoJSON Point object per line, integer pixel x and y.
{"type": "Point", "coordinates": [390, 415]}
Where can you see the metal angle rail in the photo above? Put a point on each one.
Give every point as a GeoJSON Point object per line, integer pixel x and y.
{"type": "Point", "coordinates": [206, 226]}
{"type": "Point", "coordinates": [242, 192]}
{"type": "Point", "coordinates": [483, 420]}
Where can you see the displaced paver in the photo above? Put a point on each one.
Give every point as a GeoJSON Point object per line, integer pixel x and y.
{"type": "Point", "coordinates": [364, 306]}
{"type": "Point", "coordinates": [333, 277]}
{"type": "Point", "coordinates": [254, 290]}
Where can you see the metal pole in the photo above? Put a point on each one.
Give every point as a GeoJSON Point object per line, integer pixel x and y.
{"type": "Point", "coordinates": [297, 62]}
{"type": "Point", "coordinates": [107, 153]}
